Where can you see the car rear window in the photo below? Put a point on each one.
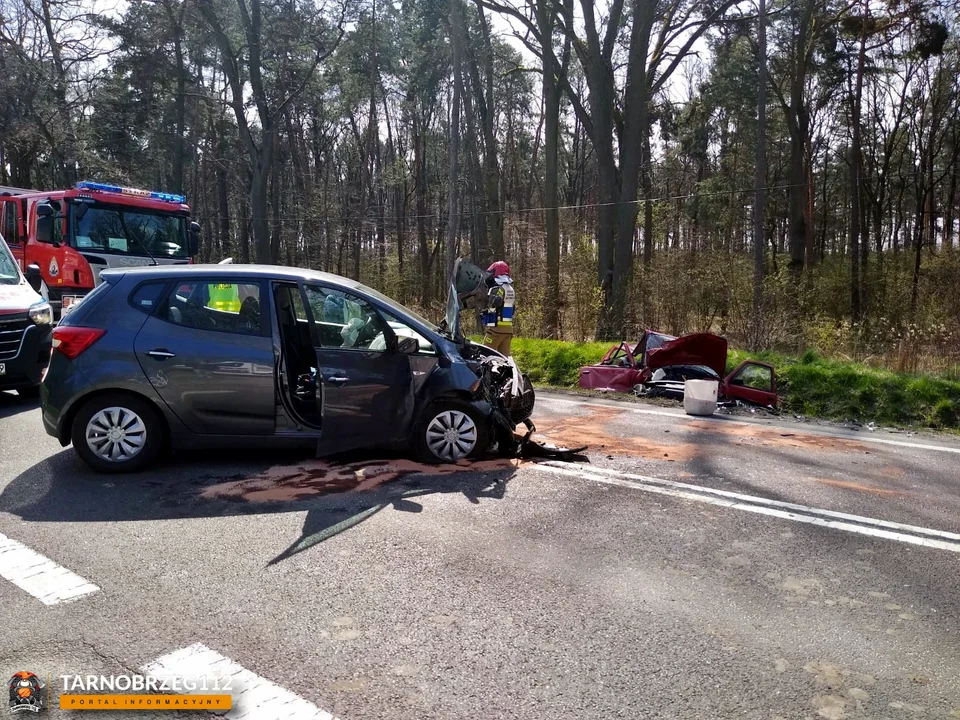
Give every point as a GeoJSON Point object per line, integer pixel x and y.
{"type": "Point", "coordinates": [147, 295]}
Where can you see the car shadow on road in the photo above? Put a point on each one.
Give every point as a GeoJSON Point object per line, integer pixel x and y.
{"type": "Point", "coordinates": [13, 404]}
{"type": "Point", "coordinates": [321, 524]}
{"type": "Point", "coordinates": [337, 493]}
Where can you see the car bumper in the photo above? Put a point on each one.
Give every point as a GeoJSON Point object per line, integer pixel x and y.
{"type": "Point", "coordinates": [26, 368]}
{"type": "Point", "coordinates": [58, 392]}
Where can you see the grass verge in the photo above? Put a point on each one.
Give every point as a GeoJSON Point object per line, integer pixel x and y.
{"type": "Point", "coordinates": [809, 385]}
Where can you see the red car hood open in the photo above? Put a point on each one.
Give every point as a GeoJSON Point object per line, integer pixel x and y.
{"type": "Point", "coordinates": [698, 349]}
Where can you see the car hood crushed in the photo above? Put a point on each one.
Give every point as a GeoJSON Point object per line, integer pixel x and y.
{"type": "Point", "coordinates": [698, 349]}
{"type": "Point", "coordinates": [508, 391]}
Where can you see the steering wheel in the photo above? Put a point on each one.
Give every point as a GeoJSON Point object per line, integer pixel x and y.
{"type": "Point", "coordinates": [368, 332]}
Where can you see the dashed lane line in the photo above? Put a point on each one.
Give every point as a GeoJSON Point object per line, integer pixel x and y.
{"type": "Point", "coordinates": [40, 576]}
{"type": "Point", "coordinates": [857, 524]}
{"type": "Point", "coordinates": [254, 697]}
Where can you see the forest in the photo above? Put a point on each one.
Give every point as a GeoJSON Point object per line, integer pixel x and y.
{"type": "Point", "coordinates": [783, 172]}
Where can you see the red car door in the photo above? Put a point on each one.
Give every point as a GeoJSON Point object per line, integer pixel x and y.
{"type": "Point", "coordinates": [752, 382]}
{"type": "Point", "coordinates": [617, 371]}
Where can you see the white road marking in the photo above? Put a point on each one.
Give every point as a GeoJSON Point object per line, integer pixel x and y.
{"type": "Point", "coordinates": [254, 697]}
{"type": "Point", "coordinates": [40, 576]}
{"type": "Point", "coordinates": [760, 500]}
{"type": "Point", "coordinates": [762, 506]}
{"type": "Point", "coordinates": [726, 420]}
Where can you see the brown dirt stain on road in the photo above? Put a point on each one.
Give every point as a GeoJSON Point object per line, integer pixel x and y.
{"type": "Point", "coordinates": [590, 430]}
{"type": "Point", "coordinates": [860, 487]}
{"type": "Point", "coordinates": [286, 483]}
{"type": "Point", "coordinates": [779, 437]}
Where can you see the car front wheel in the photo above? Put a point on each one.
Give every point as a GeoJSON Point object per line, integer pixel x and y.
{"type": "Point", "coordinates": [117, 433]}
{"type": "Point", "coordinates": [449, 431]}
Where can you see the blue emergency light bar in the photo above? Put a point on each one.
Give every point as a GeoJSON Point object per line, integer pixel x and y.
{"type": "Point", "coordinates": [100, 187]}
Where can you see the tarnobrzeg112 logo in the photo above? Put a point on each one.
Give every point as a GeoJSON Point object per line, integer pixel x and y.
{"type": "Point", "coordinates": [25, 693]}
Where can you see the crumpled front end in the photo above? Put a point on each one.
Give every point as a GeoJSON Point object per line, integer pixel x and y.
{"type": "Point", "coordinates": [508, 391]}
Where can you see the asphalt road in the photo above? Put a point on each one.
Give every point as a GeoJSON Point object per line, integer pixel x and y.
{"type": "Point", "coordinates": [688, 568]}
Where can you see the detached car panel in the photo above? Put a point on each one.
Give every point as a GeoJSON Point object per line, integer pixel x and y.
{"type": "Point", "coordinates": [243, 355]}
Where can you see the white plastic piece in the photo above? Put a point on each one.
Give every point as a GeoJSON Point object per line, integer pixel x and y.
{"type": "Point", "coordinates": [700, 397]}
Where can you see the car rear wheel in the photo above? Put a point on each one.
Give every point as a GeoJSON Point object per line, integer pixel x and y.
{"type": "Point", "coordinates": [449, 431]}
{"type": "Point", "coordinates": [117, 433]}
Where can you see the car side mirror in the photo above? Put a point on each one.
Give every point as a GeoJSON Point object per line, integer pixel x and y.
{"type": "Point", "coordinates": [193, 245]}
{"type": "Point", "coordinates": [408, 346]}
{"type": "Point", "coordinates": [45, 215]}
{"type": "Point", "coordinates": [34, 277]}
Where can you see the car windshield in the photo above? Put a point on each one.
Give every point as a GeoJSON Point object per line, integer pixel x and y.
{"type": "Point", "coordinates": [393, 303]}
{"type": "Point", "coordinates": [9, 274]}
{"type": "Point", "coordinates": [128, 231]}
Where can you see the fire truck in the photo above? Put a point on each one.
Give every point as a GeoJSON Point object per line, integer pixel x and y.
{"type": "Point", "coordinates": [71, 235]}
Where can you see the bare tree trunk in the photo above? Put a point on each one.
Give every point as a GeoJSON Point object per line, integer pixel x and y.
{"type": "Point", "coordinates": [69, 144]}
{"type": "Point", "coordinates": [180, 97]}
{"type": "Point", "coordinates": [856, 164]}
{"type": "Point", "coordinates": [546, 19]}
{"type": "Point", "coordinates": [420, 163]}
{"type": "Point", "coordinates": [759, 203]}
{"type": "Point", "coordinates": [451, 245]}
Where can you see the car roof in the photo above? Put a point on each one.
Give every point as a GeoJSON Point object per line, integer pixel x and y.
{"type": "Point", "coordinates": [266, 272]}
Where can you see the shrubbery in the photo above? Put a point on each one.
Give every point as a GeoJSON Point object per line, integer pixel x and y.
{"type": "Point", "coordinates": [809, 385]}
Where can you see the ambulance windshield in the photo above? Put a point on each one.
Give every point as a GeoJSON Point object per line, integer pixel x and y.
{"type": "Point", "coordinates": [9, 274]}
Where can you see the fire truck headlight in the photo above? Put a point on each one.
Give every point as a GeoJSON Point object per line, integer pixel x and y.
{"type": "Point", "coordinates": [41, 313]}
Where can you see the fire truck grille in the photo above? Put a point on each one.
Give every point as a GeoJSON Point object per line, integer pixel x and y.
{"type": "Point", "coordinates": [12, 329]}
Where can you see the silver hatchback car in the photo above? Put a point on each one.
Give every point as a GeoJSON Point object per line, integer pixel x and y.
{"type": "Point", "coordinates": [222, 356]}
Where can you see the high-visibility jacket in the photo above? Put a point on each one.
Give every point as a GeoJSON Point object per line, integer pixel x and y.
{"type": "Point", "coordinates": [501, 305]}
{"type": "Point", "coordinates": [224, 297]}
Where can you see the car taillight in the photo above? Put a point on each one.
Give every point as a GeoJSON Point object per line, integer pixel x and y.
{"type": "Point", "coordinates": [71, 341]}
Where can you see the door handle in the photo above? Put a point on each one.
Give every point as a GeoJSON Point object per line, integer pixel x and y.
{"type": "Point", "coordinates": [161, 354]}
{"type": "Point", "coordinates": [337, 379]}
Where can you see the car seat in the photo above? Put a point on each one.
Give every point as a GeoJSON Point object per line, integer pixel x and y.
{"type": "Point", "coordinates": [250, 314]}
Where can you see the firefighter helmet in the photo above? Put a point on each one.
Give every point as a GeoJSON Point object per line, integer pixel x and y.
{"type": "Point", "coordinates": [499, 268]}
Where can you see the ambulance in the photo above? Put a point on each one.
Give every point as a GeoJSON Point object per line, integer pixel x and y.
{"type": "Point", "coordinates": [26, 324]}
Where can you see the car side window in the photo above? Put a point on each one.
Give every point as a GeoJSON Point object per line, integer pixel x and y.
{"type": "Point", "coordinates": [755, 377]}
{"type": "Point", "coordinates": [146, 297]}
{"type": "Point", "coordinates": [344, 320]}
{"type": "Point", "coordinates": [9, 229]}
{"type": "Point", "coordinates": [232, 307]}
{"type": "Point", "coordinates": [402, 330]}
{"type": "Point", "coordinates": [57, 221]}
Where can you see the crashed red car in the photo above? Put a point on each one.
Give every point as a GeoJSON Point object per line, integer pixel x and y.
{"type": "Point", "coordinates": [659, 364]}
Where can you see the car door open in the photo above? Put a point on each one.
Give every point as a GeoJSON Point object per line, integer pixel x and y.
{"type": "Point", "coordinates": [752, 382]}
{"type": "Point", "coordinates": [365, 382]}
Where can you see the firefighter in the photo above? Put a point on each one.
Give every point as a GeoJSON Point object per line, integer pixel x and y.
{"type": "Point", "coordinates": [498, 318]}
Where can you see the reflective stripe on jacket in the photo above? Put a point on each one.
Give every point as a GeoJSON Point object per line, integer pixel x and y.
{"type": "Point", "coordinates": [500, 313]}
{"type": "Point", "coordinates": [225, 297]}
